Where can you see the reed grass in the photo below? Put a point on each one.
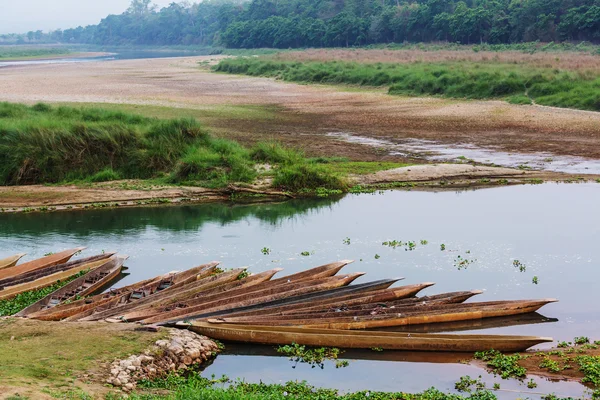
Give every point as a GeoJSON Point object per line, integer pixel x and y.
{"type": "Point", "coordinates": [45, 144]}
{"type": "Point", "coordinates": [553, 87]}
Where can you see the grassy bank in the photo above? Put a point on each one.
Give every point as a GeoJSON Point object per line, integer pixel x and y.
{"type": "Point", "coordinates": [53, 357]}
{"type": "Point", "coordinates": [518, 84]}
{"type": "Point", "coordinates": [45, 144]}
{"type": "Point", "coordinates": [24, 52]}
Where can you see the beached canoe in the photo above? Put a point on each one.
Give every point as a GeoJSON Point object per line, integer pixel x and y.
{"type": "Point", "coordinates": [255, 299]}
{"type": "Point", "coordinates": [318, 301]}
{"type": "Point", "coordinates": [224, 292]}
{"type": "Point", "coordinates": [249, 280]}
{"type": "Point", "coordinates": [40, 263]}
{"type": "Point", "coordinates": [37, 274]}
{"type": "Point", "coordinates": [126, 294]}
{"type": "Point", "coordinates": [183, 292]}
{"type": "Point", "coordinates": [11, 291]}
{"type": "Point", "coordinates": [202, 291]}
{"type": "Point", "coordinates": [376, 307]}
{"type": "Point", "coordinates": [80, 287]}
{"type": "Point", "coordinates": [11, 261]}
{"type": "Point", "coordinates": [362, 339]}
{"type": "Point", "coordinates": [425, 315]}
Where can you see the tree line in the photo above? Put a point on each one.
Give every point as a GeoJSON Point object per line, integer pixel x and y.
{"type": "Point", "coordinates": [335, 23]}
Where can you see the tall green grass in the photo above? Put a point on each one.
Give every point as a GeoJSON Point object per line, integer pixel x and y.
{"type": "Point", "coordinates": [458, 80]}
{"type": "Point", "coordinates": [46, 144]}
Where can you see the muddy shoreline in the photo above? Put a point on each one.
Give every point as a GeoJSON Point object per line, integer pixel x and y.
{"type": "Point", "coordinates": [118, 194]}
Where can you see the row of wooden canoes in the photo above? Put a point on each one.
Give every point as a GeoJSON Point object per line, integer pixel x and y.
{"type": "Point", "coordinates": [317, 307]}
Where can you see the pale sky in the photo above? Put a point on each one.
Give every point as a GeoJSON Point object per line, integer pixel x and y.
{"type": "Point", "coordinates": [20, 16]}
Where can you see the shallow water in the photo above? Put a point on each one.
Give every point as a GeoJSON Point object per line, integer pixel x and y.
{"type": "Point", "coordinates": [553, 229]}
{"type": "Point", "coordinates": [444, 152]}
{"type": "Point", "coordinates": [113, 55]}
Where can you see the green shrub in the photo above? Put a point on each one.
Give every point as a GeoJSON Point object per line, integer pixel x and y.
{"type": "Point", "coordinates": [306, 176]}
{"type": "Point", "coordinates": [105, 175]}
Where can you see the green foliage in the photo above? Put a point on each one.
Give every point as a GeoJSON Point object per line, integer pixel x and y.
{"type": "Point", "coordinates": [46, 144]}
{"type": "Point", "coordinates": [580, 340]}
{"type": "Point", "coordinates": [105, 175]}
{"type": "Point", "coordinates": [22, 300]}
{"type": "Point", "coordinates": [274, 153]}
{"type": "Point", "coordinates": [503, 365]}
{"type": "Point", "coordinates": [519, 99]}
{"type": "Point", "coordinates": [458, 80]}
{"type": "Point", "coordinates": [315, 357]}
{"type": "Point", "coordinates": [295, 177]}
{"type": "Point", "coordinates": [196, 387]}
{"type": "Point", "coordinates": [590, 366]}
{"type": "Point", "coordinates": [466, 384]}
{"type": "Point", "coordinates": [331, 23]}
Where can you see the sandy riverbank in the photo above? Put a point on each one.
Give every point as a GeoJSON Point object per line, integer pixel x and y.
{"type": "Point", "coordinates": [301, 115]}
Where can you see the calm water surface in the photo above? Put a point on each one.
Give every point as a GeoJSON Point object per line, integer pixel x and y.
{"type": "Point", "coordinates": [114, 55]}
{"type": "Point", "coordinates": [552, 229]}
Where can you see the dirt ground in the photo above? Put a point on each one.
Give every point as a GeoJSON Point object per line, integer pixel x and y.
{"type": "Point", "coordinates": [302, 114]}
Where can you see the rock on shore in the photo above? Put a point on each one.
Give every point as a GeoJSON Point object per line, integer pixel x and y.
{"type": "Point", "coordinates": [180, 351]}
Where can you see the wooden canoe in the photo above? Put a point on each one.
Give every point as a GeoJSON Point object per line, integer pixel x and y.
{"type": "Point", "coordinates": [62, 311]}
{"type": "Point", "coordinates": [363, 339]}
{"type": "Point", "coordinates": [37, 274]}
{"type": "Point", "coordinates": [126, 294]}
{"type": "Point", "coordinates": [301, 278]}
{"type": "Point", "coordinates": [376, 308]}
{"type": "Point", "coordinates": [247, 281]}
{"type": "Point", "coordinates": [40, 263]}
{"type": "Point", "coordinates": [373, 308]}
{"type": "Point", "coordinates": [11, 261]}
{"type": "Point", "coordinates": [321, 271]}
{"type": "Point", "coordinates": [183, 292]}
{"type": "Point", "coordinates": [11, 291]}
{"type": "Point", "coordinates": [80, 287]}
{"type": "Point", "coordinates": [224, 292]}
{"type": "Point", "coordinates": [253, 299]}
{"type": "Point", "coordinates": [317, 302]}
{"type": "Point", "coordinates": [443, 313]}
{"type": "Point", "coordinates": [152, 285]}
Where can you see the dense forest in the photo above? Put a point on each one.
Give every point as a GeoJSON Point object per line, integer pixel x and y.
{"type": "Point", "coordinates": [332, 23]}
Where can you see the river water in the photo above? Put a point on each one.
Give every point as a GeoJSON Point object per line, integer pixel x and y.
{"type": "Point", "coordinates": [551, 229]}
{"type": "Point", "coordinates": [112, 55]}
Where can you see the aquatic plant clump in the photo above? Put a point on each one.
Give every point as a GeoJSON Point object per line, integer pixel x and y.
{"type": "Point", "coordinates": [196, 387]}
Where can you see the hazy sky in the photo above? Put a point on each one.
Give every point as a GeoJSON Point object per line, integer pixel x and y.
{"type": "Point", "coordinates": [20, 16]}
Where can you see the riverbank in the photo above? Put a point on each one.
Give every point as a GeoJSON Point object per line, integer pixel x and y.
{"type": "Point", "coordinates": [251, 109]}
{"type": "Point", "coordinates": [136, 193]}
{"type": "Point", "coordinates": [39, 363]}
